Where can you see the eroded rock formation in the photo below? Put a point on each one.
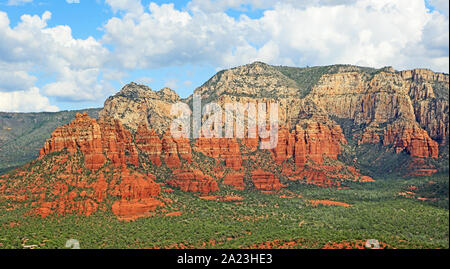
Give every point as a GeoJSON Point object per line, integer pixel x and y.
{"type": "Point", "coordinates": [235, 179]}
{"type": "Point", "coordinates": [412, 139]}
{"type": "Point", "coordinates": [266, 181]}
{"type": "Point", "coordinates": [98, 141]}
{"type": "Point", "coordinates": [193, 180]}
{"type": "Point", "coordinates": [322, 112]}
{"type": "Point", "coordinates": [223, 149]}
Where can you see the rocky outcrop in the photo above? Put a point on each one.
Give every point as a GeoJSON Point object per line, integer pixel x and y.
{"type": "Point", "coordinates": [88, 161]}
{"type": "Point", "coordinates": [421, 74]}
{"type": "Point", "coordinates": [82, 134]}
{"type": "Point", "coordinates": [235, 179]}
{"type": "Point", "coordinates": [416, 100]}
{"type": "Point", "coordinates": [117, 143]}
{"type": "Point", "coordinates": [60, 184]}
{"type": "Point", "coordinates": [193, 180]}
{"type": "Point", "coordinates": [317, 140]}
{"type": "Point", "coordinates": [420, 167]}
{"type": "Point", "coordinates": [429, 95]}
{"type": "Point", "coordinates": [149, 143]}
{"type": "Point", "coordinates": [313, 141]}
{"type": "Point", "coordinates": [410, 138]}
{"type": "Point", "coordinates": [265, 181]}
{"type": "Point", "coordinates": [369, 136]}
{"type": "Point", "coordinates": [370, 98]}
{"type": "Point", "coordinates": [175, 150]}
{"type": "Point", "coordinates": [353, 95]}
{"type": "Point", "coordinates": [137, 104]}
{"type": "Point", "coordinates": [222, 149]}
{"type": "Point", "coordinates": [256, 79]}
{"type": "Point", "coordinates": [286, 145]}
{"type": "Point", "coordinates": [136, 194]}
{"type": "Point", "coordinates": [98, 141]}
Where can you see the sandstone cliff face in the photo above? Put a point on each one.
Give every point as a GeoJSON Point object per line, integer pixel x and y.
{"type": "Point", "coordinates": [312, 142]}
{"type": "Point", "coordinates": [74, 190]}
{"type": "Point", "coordinates": [222, 149]}
{"type": "Point", "coordinates": [176, 149]}
{"type": "Point", "coordinates": [117, 143]}
{"type": "Point", "coordinates": [96, 140]}
{"type": "Point", "coordinates": [256, 80]}
{"type": "Point", "coordinates": [149, 143]}
{"type": "Point", "coordinates": [235, 179]}
{"type": "Point", "coordinates": [193, 180]}
{"type": "Point", "coordinates": [375, 101]}
{"type": "Point", "coordinates": [371, 98]}
{"type": "Point", "coordinates": [412, 139]}
{"type": "Point", "coordinates": [82, 134]}
{"type": "Point", "coordinates": [405, 111]}
{"type": "Point", "coordinates": [429, 94]}
{"type": "Point", "coordinates": [405, 102]}
{"type": "Point", "coordinates": [420, 74]}
{"type": "Point", "coordinates": [265, 181]}
{"type": "Point", "coordinates": [136, 194]}
{"type": "Point", "coordinates": [138, 104]}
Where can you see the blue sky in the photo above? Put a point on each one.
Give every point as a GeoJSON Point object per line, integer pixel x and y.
{"type": "Point", "coordinates": [56, 55]}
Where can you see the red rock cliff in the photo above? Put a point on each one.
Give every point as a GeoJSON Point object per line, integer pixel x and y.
{"type": "Point", "coordinates": [412, 139]}
{"type": "Point", "coordinates": [313, 141]}
{"type": "Point", "coordinates": [98, 141]}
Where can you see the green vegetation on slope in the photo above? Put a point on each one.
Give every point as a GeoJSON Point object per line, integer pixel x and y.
{"type": "Point", "coordinates": [22, 135]}
{"type": "Point", "coordinates": [377, 211]}
{"type": "Point", "coordinates": [307, 77]}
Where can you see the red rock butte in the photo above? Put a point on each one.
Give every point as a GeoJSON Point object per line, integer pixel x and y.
{"type": "Point", "coordinates": [128, 153]}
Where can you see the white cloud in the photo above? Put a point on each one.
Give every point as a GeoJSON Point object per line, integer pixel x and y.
{"type": "Point", "coordinates": [171, 83]}
{"type": "Point", "coordinates": [78, 85]}
{"type": "Point", "coordinates": [368, 32]}
{"type": "Point", "coordinates": [73, 1]}
{"type": "Point", "coordinates": [441, 5]}
{"type": "Point", "coordinates": [132, 6]}
{"type": "Point", "coordinates": [375, 33]}
{"type": "Point", "coordinates": [246, 5]}
{"type": "Point", "coordinates": [18, 2]}
{"type": "Point", "coordinates": [12, 78]}
{"type": "Point", "coordinates": [25, 101]}
{"type": "Point", "coordinates": [32, 45]}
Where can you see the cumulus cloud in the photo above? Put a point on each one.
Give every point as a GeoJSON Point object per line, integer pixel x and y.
{"type": "Point", "coordinates": [25, 101]}
{"type": "Point", "coordinates": [367, 32]}
{"type": "Point", "coordinates": [13, 79]}
{"type": "Point", "coordinates": [441, 5]}
{"type": "Point", "coordinates": [246, 5]}
{"type": "Point", "coordinates": [401, 33]}
{"type": "Point", "coordinates": [171, 83]}
{"type": "Point", "coordinates": [78, 85]}
{"type": "Point", "coordinates": [18, 2]}
{"type": "Point", "coordinates": [32, 45]}
{"type": "Point", "coordinates": [131, 6]}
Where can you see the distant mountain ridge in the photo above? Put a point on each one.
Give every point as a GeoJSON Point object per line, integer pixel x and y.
{"type": "Point", "coordinates": [309, 88]}
{"type": "Point", "coordinates": [23, 134]}
{"type": "Point", "coordinates": [337, 124]}
{"type": "Point", "coordinates": [406, 111]}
